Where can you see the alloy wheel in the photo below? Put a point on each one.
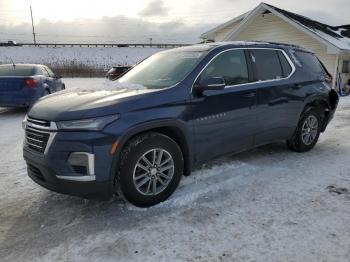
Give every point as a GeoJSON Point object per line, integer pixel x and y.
{"type": "Point", "coordinates": [153, 171]}
{"type": "Point", "coordinates": [309, 130]}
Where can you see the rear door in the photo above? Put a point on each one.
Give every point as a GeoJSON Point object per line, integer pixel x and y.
{"type": "Point", "coordinates": [224, 120]}
{"type": "Point", "coordinates": [277, 99]}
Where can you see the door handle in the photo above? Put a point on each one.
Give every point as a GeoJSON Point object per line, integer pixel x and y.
{"type": "Point", "coordinates": [249, 95]}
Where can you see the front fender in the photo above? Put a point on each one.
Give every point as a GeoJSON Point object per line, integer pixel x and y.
{"type": "Point", "coordinates": [180, 125]}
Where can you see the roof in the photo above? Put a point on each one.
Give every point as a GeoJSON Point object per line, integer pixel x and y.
{"type": "Point", "coordinates": [337, 36]}
{"type": "Point", "coordinates": [27, 65]}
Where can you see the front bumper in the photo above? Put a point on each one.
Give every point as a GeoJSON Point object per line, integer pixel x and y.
{"type": "Point", "coordinates": [53, 171]}
{"type": "Point", "coordinates": [41, 172]}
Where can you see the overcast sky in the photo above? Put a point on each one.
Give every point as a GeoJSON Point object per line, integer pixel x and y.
{"type": "Point", "coordinates": [164, 21]}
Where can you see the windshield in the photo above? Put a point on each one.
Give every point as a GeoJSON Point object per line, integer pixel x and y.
{"type": "Point", "coordinates": [163, 69]}
{"type": "Point", "coordinates": [18, 70]}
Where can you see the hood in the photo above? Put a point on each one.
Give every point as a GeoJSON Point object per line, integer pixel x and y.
{"type": "Point", "coordinates": [83, 104]}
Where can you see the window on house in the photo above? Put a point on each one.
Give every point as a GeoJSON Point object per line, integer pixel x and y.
{"type": "Point", "coordinates": [346, 67]}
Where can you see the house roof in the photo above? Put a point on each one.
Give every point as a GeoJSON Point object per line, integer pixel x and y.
{"type": "Point", "coordinates": [222, 26]}
{"type": "Point", "coordinates": [337, 36]}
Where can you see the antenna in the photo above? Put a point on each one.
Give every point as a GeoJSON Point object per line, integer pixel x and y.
{"type": "Point", "coordinates": [31, 15]}
{"type": "Point", "coordinates": [13, 64]}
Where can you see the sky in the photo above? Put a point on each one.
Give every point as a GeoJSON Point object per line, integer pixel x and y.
{"type": "Point", "coordinates": [122, 21]}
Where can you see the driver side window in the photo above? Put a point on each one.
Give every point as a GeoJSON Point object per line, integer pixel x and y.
{"type": "Point", "coordinates": [230, 65]}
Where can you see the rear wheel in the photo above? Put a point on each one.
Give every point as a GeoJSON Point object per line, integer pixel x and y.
{"type": "Point", "coordinates": [307, 133]}
{"type": "Point", "coordinates": [46, 92]}
{"type": "Point", "coordinates": [150, 169]}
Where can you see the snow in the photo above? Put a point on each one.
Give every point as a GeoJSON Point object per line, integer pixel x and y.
{"type": "Point", "coordinates": [81, 84]}
{"type": "Point", "coordinates": [268, 204]}
{"type": "Point", "coordinates": [98, 57]}
{"type": "Point", "coordinates": [341, 42]}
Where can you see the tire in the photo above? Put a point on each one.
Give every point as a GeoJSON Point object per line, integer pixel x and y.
{"type": "Point", "coordinates": [139, 181]}
{"type": "Point", "coordinates": [309, 124]}
{"type": "Point", "coordinates": [46, 92]}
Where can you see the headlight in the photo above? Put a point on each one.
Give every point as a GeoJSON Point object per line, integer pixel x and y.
{"type": "Point", "coordinates": [97, 123]}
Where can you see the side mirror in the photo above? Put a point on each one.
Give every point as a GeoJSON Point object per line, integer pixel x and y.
{"type": "Point", "coordinates": [57, 77]}
{"type": "Point", "coordinates": [213, 83]}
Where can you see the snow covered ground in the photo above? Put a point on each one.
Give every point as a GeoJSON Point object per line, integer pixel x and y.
{"type": "Point", "coordinates": [96, 57]}
{"type": "Point", "coordinates": [268, 204]}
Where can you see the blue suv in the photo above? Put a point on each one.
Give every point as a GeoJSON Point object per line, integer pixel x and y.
{"type": "Point", "coordinates": [176, 109]}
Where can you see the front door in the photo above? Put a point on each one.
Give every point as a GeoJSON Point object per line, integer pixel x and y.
{"type": "Point", "coordinates": [224, 120]}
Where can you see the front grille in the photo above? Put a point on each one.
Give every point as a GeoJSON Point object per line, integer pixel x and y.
{"type": "Point", "coordinates": [35, 172]}
{"type": "Point", "coordinates": [37, 140]}
{"type": "Point", "coordinates": [37, 134]}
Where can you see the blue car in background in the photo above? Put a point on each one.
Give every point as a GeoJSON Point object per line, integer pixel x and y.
{"type": "Point", "coordinates": [21, 85]}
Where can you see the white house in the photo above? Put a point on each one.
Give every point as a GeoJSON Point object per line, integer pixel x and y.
{"type": "Point", "coordinates": [268, 23]}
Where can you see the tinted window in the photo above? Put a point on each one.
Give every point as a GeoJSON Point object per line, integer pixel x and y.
{"type": "Point", "coordinates": [230, 65]}
{"type": "Point", "coordinates": [18, 70]}
{"type": "Point", "coordinates": [286, 68]}
{"type": "Point", "coordinates": [310, 62]}
{"type": "Point", "coordinates": [266, 64]}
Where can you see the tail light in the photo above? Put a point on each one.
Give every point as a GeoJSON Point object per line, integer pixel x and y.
{"type": "Point", "coordinates": [30, 82]}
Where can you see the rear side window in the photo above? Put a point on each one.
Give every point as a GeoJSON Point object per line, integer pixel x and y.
{"type": "Point", "coordinates": [17, 70]}
{"type": "Point", "coordinates": [286, 68]}
{"type": "Point", "coordinates": [51, 74]}
{"type": "Point", "coordinates": [230, 65]}
{"type": "Point", "coordinates": [267, 65]}
{"type": "Point", "coordinates": [44, 71]}
{"type": "Point", "coordinates": [310, 63]}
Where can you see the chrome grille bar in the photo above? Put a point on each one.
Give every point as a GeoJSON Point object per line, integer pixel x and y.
{"type": "Point", "coordinates": [39, 134]}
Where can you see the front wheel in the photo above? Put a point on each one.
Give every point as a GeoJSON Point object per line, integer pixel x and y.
{"type": "Point", "coordinates": [150, 169]}
{"type": "Point", "coordinates": [307, 133]}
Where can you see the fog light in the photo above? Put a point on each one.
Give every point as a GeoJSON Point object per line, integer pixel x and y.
{"type": "Point", "coordinates": [82, 163]}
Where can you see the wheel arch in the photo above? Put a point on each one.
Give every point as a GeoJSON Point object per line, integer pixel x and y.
{"type": "Point", "coordinates": [321, 105]}
{"type": "Point", "coordinates": [175, 129]}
